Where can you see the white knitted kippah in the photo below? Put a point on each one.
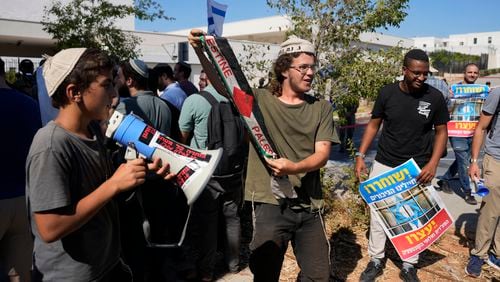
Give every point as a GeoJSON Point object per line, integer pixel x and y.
{"type": "Point", "coordinates": [296, 45]}
{"type": "Point", "coordinates": [59, 66]}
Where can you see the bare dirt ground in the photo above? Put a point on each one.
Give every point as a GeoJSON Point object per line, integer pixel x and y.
{"type": "Point", "coordinates": [445, 260]}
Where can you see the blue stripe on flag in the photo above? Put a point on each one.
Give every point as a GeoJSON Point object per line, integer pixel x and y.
{"type": "Point", "coordinates": [219, 12]}
{"type": "Point", "coordinates": [210, 21]}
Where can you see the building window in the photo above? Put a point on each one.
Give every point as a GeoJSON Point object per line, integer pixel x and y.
{"type": "Point", "coordinates": [183, 54]}
{"type": "Point", "coordinates": [461, 43]}
{"type": "Point", "coordinates": [425, 45]}
{"type": "Point", "coordinates": [445, 44]}
{"type": "Point", "coordinates": [474, 40]}
{"type": "Point", "coordinates": [489, 40]}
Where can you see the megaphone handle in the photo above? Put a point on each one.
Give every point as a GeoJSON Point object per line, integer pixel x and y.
{"type": "Point", "coordinates": [131, 152]}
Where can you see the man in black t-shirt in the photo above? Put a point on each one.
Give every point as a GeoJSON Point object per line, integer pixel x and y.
{"type": "Point", "coordinates": [414, 116]}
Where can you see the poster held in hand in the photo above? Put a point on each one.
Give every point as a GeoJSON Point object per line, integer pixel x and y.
{"type": "Point", "coordinates": [412, 215]}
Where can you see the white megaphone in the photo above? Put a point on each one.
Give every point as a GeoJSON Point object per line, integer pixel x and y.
{"type": "Point", "coordinates": [193, 167]}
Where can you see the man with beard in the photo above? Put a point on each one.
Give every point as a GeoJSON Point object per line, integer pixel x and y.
{"type": "Point", "coordinates": [409, 110]}
{"type": "Point", "coordinates": [133, 78]}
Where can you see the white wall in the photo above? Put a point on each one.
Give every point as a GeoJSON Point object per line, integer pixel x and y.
{"type": "Point", "coordinates": [33, 10]}
{"type": "Point", "coordinates": [467, 43]}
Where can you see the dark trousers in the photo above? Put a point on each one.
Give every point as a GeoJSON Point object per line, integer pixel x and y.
{"type": "Point", "coordinates": [274, 228]}
{"type": "Point", "coordinates": [215, 210]}
{"type": "Point", "coordinates": [165, 207]}
{"type": "Point", "coordinates": [231, 203]}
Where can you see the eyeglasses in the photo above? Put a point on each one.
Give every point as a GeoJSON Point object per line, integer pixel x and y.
{"type": "Point", "coordinates": [419, 73]}
{"type": "Point", "coordinates": [304, 68]}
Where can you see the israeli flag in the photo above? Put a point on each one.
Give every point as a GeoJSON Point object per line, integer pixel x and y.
{"type": "Point", "coordinates": [216, 14]}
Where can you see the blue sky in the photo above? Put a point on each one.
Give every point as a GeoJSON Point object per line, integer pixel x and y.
{"type": "Point", "coordinates": [425, 17]}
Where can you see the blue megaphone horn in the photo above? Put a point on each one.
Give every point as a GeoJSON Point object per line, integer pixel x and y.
{"type": "Point", "coordinates": [480, 189]}
{"type": "Point", "coordinates": [193, 167]}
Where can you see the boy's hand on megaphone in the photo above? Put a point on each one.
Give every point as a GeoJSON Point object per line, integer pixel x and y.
{"type": "Point", "coordinates": [161, 168]}
{"type": "Point", "coordinates": [129, 175]}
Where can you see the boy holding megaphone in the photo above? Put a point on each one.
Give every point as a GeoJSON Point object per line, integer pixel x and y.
{"type": "Point", "coordinates": [70, 179]}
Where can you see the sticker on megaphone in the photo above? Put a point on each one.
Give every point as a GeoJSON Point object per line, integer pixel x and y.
{"type": "Point", "coordinates": [193, 167]}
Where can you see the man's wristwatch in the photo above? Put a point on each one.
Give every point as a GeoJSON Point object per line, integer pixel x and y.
{"type": "Point", "coordinates": [359, 154]}
{"type": "Point", "coordinates": [473, 160]}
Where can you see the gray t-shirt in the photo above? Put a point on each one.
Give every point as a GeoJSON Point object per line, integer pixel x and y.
{"type": "Point", "coordinates": [150, 108]}
{"type": "Point", "coordinates": [61, 169]}
{"type": "Point", "coordinates": [492, 145]}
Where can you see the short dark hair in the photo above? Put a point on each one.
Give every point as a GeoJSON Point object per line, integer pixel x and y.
{"type": "Point", "coordinates": [2, 67]}
{"type": "Point", "coordinates": [141, 82]}
{"type": "Point", "coordinates": [415, 54]}
{"type": "Point", "coordinates": [91, 64]}
{"type": "Point", "coordinates": [185, 68]}
{"type": "Point", "coordinates": [165, 69]}
{"type": "Point", "coordinates": [26, 66]}
{"type": "Point", "coordinates": [470, 64]}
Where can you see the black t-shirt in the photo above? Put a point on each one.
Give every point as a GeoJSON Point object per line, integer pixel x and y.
{"type": "Point", "coordinates": [408, 121]}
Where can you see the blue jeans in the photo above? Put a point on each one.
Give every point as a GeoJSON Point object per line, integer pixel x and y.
{"type": "Point", "coordinates": [462, 148]}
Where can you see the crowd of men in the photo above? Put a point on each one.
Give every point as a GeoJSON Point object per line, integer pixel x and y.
{"type": "Point", "coordinates": [74, 207]}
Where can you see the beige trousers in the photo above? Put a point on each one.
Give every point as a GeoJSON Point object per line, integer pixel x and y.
{"type": "Point", "coordinates": [488, 229]}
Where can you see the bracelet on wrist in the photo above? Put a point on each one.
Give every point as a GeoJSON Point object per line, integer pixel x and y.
{"type": "Point", "coordinates": [359, 154]}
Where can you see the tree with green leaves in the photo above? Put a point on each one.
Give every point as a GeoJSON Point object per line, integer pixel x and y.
{"type": "Point", "coordinates": [348, 71]}
{"type": "Point", "coordinates": [452, 62]}
{"type": "Point", "coordinates": [91, 23]}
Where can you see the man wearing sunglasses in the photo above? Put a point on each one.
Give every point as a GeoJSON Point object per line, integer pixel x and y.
{"type": "Point", "coordinates": [409, 110]}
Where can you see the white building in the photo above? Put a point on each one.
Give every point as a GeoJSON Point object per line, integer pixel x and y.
{"type": "Point", "coordinates": [273, 29]}
{"type": "Point", "coordinates": [22, 36]}
{"type": "Point", "coordinates": [467, 43]}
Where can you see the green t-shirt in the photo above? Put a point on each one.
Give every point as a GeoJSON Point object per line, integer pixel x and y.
{"type": "Point", "coordinates": [194, 116]}
{"type": "Point", "coordinates": [294, 129]}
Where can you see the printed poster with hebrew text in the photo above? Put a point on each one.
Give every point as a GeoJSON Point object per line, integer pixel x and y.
{"type": "Point", "coordinates": [413, 215]}
{"type": "Point", "coordinates": [465, 108]}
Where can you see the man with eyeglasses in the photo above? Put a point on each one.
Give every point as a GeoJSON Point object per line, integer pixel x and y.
{"type": "Point", "coordinates": [462, 145]}
{"type": "Point", "coordinates": [409, 110]}
{"type": "Point", "coordinates": [301, 127]}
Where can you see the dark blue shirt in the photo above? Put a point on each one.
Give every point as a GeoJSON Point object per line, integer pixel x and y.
{"type": "Point", "coordinates": [20, 120]}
